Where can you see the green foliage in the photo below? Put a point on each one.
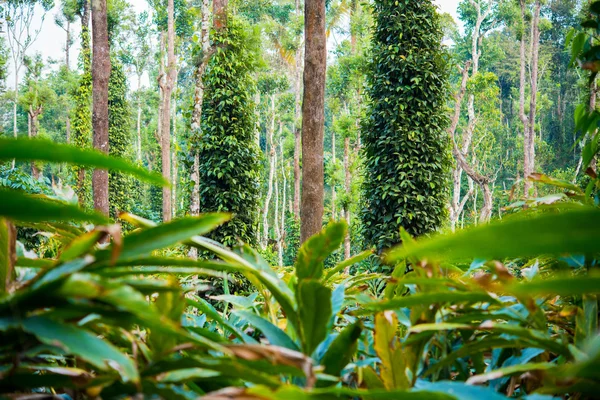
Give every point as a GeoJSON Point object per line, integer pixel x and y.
{"type": "Point", "coordinates": [229, 157]}
{"type": "Point", "coordinates": [82, 118]}
{"type": "Point", "coordinates": [119, 140]}
{"type": "Point", "coordinates": [406, 147]}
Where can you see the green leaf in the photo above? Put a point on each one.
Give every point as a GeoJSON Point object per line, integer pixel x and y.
{"type": "Point", "coordinates": [393, 359]}
{"type": "Point", "coordinates": [314, 251]}
{"type": "Point", "coordinates": [213, 314]}
{"type": "Point", "coordinates": [143, 242]}
{"type": "Point", "coordinates": [80, 245]}
{"type": "Point", "coordinates": [586, 321]}
{"type": "Point", "coordinates": [342, 349]}
{"type": "Point", "coordinates": [274, 334]}
{"type": "Point", "coordinates": [314, 309]}
{"type": "Point", "coordinates": [569, 232]}
{"type": "Point", "coordinates": [24, 149]}
{"type": "Point", "coordinates": [347, 263]}
{"type": "Point", "coordinates": [426, 299]}
{"type": "Point", "coordinates": [7, 253]}
{"type": "Point", "coordinates": [82, 344]}
{"type": "Point", "coordinates": [23, 207]}
{"type": "Point", "coordinates": [462, 391]}
{"type": "Point", "coordinates": [558, 286]}
{"type": "Point", "coordinates": [509, 371]}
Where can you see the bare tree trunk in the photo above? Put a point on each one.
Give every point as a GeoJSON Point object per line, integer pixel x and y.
{"type": "Point", "coordinates": [333, 194]}
{"type": "Point", "coordinates": [139, 120]}
{"type": "Point", "coordinates": [529, 140]}
{"type": "Point", "coordinates": [100, 77]}
{"type": "Point", "coordinates": [271, 157]}
{"type": "Point", "coordinates": [167, 88]}
{"type": "Point", "coordinates": [67, 51]}
{"type": "Point", "coordinates": [313, 119]}
{"type": "Point", "coordinates": [276, 216]}
{"type": "Point", "coordinates": [348, 188]}
{"type": "Point", "coordinates": [297, 130]}
{"type": "Point", "coordinates": [284, 192]}
{"type": "Point", "coordinates": [174, 170]}
{"type": "Point", "coordinates": [522, 116]}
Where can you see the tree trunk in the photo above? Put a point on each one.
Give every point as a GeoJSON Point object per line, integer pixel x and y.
{"type": "Point", "coordinates": [276, 215]}
{"type": "Point", "coordinates": [67, 51]}
{"type": "Point", "coordinates": [333, 194]}
{"type": "Point", "coordinates": [33, 131]}
{"type": "Point", "coordinates": [139, 120]}
{"type": "Point", "coordinates": [271, 158]}
{"type": "Point", "coordinates": [284, 192]}
{"type": "Point", "coordinates": [313, 119]}
{"type": "Point", "coordinates": [348, 188]}
{"type": "Point", "coordinates": [522, 116]}
{"type": "Point", "coordinates": [220, 14]}
{"type": "Point", "coordinates": [529, 140]}
{"type": "Point", "coordinates": [297, 122]}
{"type": "Point", "coordinates": [174, 170]}
{"type": "Point", "coordinates": [100, 77]}
{"type": "Point", "coordinates": [167, 88]}
{"type": "Point", "coordinates": [197, 112]}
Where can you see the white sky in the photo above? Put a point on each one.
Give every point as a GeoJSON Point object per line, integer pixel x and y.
{"type": "Point", "coordinates": [51, 40]}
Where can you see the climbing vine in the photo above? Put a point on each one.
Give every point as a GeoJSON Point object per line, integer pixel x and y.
{"type": "Point", "coordinates": [405, 142]}
{"type": "Point", "coordinates": [229, 167]}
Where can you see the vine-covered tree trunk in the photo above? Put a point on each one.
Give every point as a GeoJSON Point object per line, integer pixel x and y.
{"type": "Point", "coordinates": [333, 193]}
{"type": "Point", "coordinates": [82, 116]}
{"type": "Point", "coordinates": [100, 77]}
{"type": "Point", "coordinates": [407, 161]}
{"type": "Point", "coordinates": [139, 120]}
{"type": "Point", "coordinates": [313, 119]}
{"type": "Point", "coordinates": [297, 123]}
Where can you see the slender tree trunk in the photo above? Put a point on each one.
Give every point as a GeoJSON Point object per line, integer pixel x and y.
{"type": "Point", "coordinates": [333, 194]}
{"type": "Point", "coordinates": [68, 66]}
{"type": "Point", "coordinates": [174, 154]}
{"type": "Point", "coordinates": [100, 77]}
{"type": "Point", "coordinates": [197, 111]}
{"type": "Point", "coordinates": [272, 166]}
{"type": "Point", "coordinates": [276, 215]}
{"type": "Point", "coordinates": [81, 189]}
{"type": "Point", "coordinates": [529, 140]}
{"type": "Point", "coordinates": [297, 121]}
{"type": "Point", "coordinates": [168, 84]}
{"type": "Point", "coordinates": [348, 188]}
{"type": "Point", "coordinates": [139, 119]}
{"type": "Point", "coordinates": [522, 116]}
{"type": "Point", "coordinates": [313, 119]}
{"type": "Point", "coordinates": [283, 203]}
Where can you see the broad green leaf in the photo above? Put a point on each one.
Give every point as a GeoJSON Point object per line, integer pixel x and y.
{"type": "Point", "coordinates": [314, 251]}
{"type": "Point", "coordinates": [509, 371]}
{"type": "Point", "coordinates": [213, 314]}
{"type": "Point", "coordinates": [274, 334]}
{"type": "Point", "coordinates": [23, 149]}
{"type": "Point", "coordinates": [276, 286]}
{"type": "Point", "coordinates": [558, 286]}
{"type": "Point", "coordinates": [586, 321]}
{"type": "Point", "coordinates": [393, 359]}
{"type": "Point", "coordinates": [82, 344]}
{"type": "Point", "coordinates": [19, 206]}
{"type": "Point", "coordinates": [80, 245]}
{"type": "Point", "coordinates": [314, 310]}
{"type": "Point", "coordinates": [342, 349]}
{"type": "Point", "coordinates": [187, 374]}
{"type": "Point", "coordinates": [143, 242]}
{"type": "Point", "coordinates": [462, 391]}
{"type": "Point", "coordinates": [38, 263]}
{"type": "Point", "coordinates": [427, 298]}
{"type": "Point", "coordinates": [568, 232]}
{"type": "Point", "coordinates": [8, 255]}
{"type": "Point", "coordinates": [347, 263]}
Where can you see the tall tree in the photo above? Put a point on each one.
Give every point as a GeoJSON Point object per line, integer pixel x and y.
{"type": "Point", "coordinates": [407, 158]}
{"type": "Point", "coordinates": [64, 20]}
{"type": "Point", "coordinates": [100, 78]}
{"type": "Point", "coordinates": [82, 115]}
{"type": "Point", "coordinates": [167, 85]}
{"type": "Point", "coordinates": [313, 119]}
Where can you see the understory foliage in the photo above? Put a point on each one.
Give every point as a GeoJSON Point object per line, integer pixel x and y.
{"type": "Point", "coordinates": [119, 140]}
{"type": "Point", "coordinates": [228, 154]}
{"type": "Point", "coordinates": [509, 308]}
{"type": "Point", "coordinates": [406, 148]}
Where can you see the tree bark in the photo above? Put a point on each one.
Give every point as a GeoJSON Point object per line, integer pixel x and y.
{"type": "Point", "coordinates": [272, 166]}
{"type": "Point", "coordinates": [167, 89]}
{"type": "Point", "coordinates": [333, 194]}
{"type": "Point", "coordinates": [297, 122]}
{"type": "Point", "coordinates": [284, 192]}
{"type": "Point", "coordinates": [67, 51]}
{"type": "Point", "coordinates": [313, 119]}
{"type": "Point", "coordinates": [139, 120]}
{"type": "Point", "coordinates": [100, 77]}
{"type": "Point", "coordinates": [348, 188]}
{"type": "Point", "coordinates": [529, 139]}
